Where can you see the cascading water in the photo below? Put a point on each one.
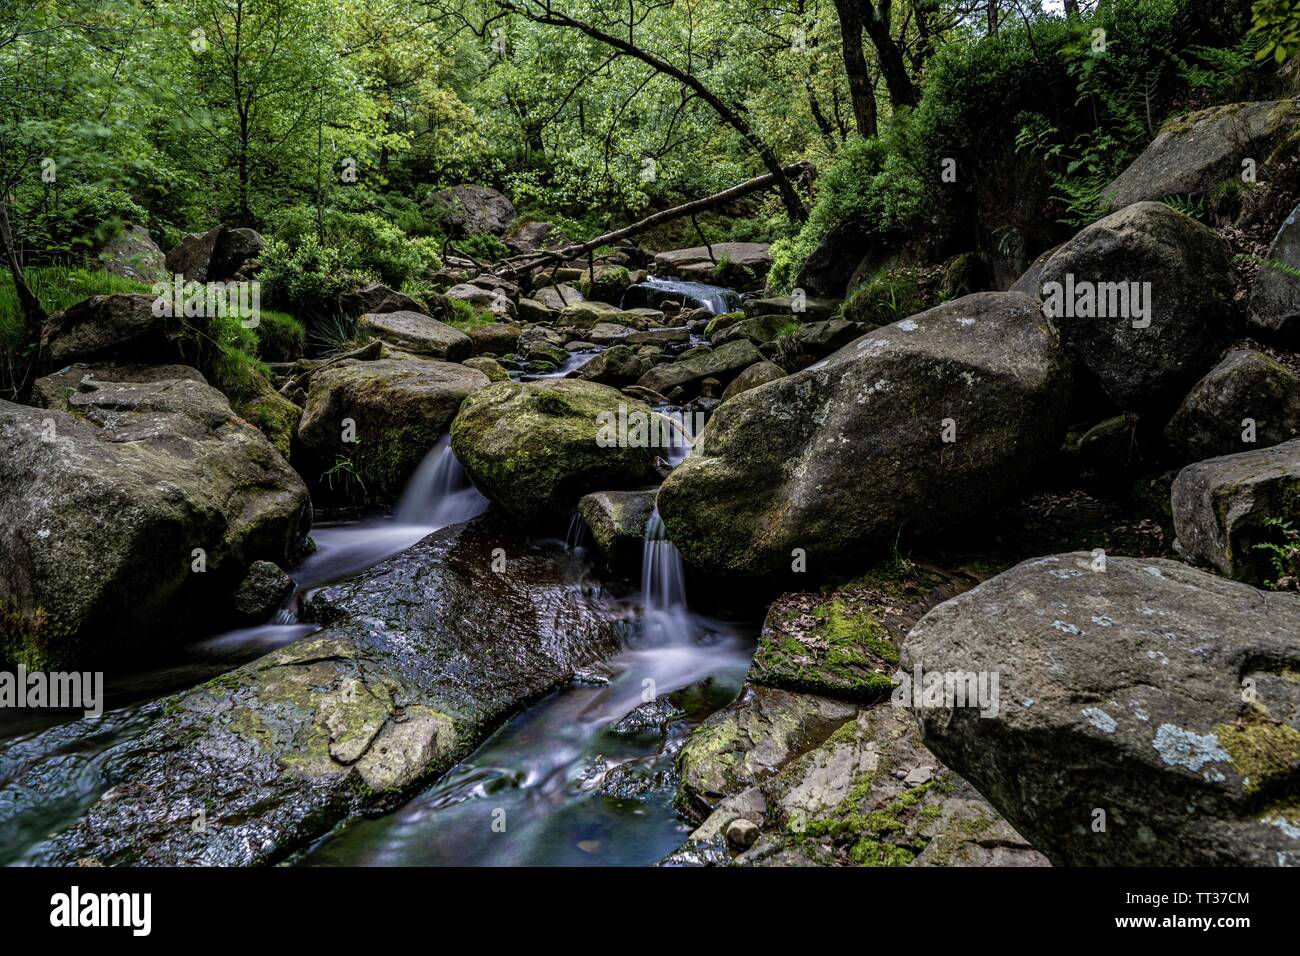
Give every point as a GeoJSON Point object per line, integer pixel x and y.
{"type": "Point", "coordinates": [663, 586]}
{"type": "Point", "coordinates": [696, 295]}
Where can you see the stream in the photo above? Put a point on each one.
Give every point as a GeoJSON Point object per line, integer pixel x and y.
{"type": "Point", "coordinates": [584, 776]}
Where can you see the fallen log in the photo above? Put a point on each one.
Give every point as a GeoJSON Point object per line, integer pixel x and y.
{"type": "Point", "coordinates": [527, 262]}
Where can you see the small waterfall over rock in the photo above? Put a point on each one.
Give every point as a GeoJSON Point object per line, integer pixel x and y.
{"type": "Point", "coordinates": [695, 295]}
{"type": "Point", "coordinates": [663, 585]}
{"type": "Point", "coordinates": [439, 494]}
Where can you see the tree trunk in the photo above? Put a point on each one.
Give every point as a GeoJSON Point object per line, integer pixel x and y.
{"type": "Point", "coordinates": [861, 94]}
{"type": "Point", "coordinates": [901, 90]}
{"type": "Point", "coordinates": [33, 313]}
{"type": "Point", "coordinates": [993, 18]}
{"type": "Point", "coordinates": [793, 204]}
{"type": "Point", "coordinates": [1071, 8]}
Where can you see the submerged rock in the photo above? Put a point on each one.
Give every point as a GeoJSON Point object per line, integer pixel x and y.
{"type": "Point", "coordinates": [1222, 506]}
{"type": "Point", "coordinates": [1143, 717]}
{"type": "Point", "coordinates": [133, 518]}
{"type": "Point", "coordinates": [836, 458]}
{"type": "Point", "coordinates": [534, 447]}
{"type": "Point", "coordinates": [425, 655]}
{"type": "Point", "coordinates": [378, 418]}
{"type": "Point", "coordinates": [1181, 274]}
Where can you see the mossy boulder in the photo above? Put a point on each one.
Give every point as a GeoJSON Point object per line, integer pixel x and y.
{"type": "Point", "coordinates": [1160, 695]}
{"type": "Point", "coordinates": [835, 459]}
{"type": "Point", "coordinates": [760, 373]}
{"type": "Point", "coordinates": [618, 366]}
{"type": "Point", "coordinates": [366, 425]}
{"type": "Point", "coordinates": [532, 447]}
{"type": "Point", "coordinates": [617, 521]}
{"type": "Point", "coordinates": [692, 368]}
{"type": "Point", "coordinates": [490, 367]}
{"type": "Point", "coordinates": [606, 283]}
{"type": "Point", "coordinates": [132, 516]}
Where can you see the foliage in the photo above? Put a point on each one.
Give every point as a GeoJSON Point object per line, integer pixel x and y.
{"type": "Point", "coordinates": [1283, 554]}
{"type": "Point", "coordinates": [1277, 26]}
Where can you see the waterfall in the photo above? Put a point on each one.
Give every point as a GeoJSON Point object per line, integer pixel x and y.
{"type": "Point", "coordinates": [695, 295]}
{"type": "Point", "coordinates": [439, 494]}
{"type": "Point", "coordinates": [663, 585]}
{"type": "Point", "coordinates": [576, 539]}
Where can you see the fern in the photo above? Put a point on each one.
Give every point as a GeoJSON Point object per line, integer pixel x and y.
{"type": "Point", "coordinates": [1283, 555]}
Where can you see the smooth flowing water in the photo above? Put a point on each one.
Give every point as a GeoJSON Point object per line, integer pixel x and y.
{"type": "Point", "coordinates": [696, 295]}
{"type": "Point", "coordinates": [584, 777]}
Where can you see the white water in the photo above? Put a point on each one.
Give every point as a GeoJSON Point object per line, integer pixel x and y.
{"type": "Point", "coordinates": [693, 294]}
{"type": "Point", "coordinates": [437, 495]}
{"type": "Point", "coordinates": [663, 588]}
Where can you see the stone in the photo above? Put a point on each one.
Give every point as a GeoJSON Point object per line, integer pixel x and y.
{"type": "Point", "coordinates": [132, 254]}
{"type": "Point", "coordinates": [1186, 268]}
{"type": "Point", "coordinates": [1221, 506]}
{"type": "Point", "coordinates": [1275, 297]}
{"type": "Point", "coordinates": [1216, 416]}
{"type": "Point", "coordinates": [617, 366]}
{"type": "Point", "coordinates": [375, 298]}
{"type": "Point", "coordinates": [133, 517]}
{"type": "Point", "coordinates": [468, 210]}
{"type": "Point", "coordinates": [742, 264]}
{"type": "Point", "coordinates": [723, 363]}
{"type": "Point", "coordinates": [556, 298]}
{"type": "Point", "coordinates": [261, 592]}
{"type": "Point", "coordinates": [760, 373]}
{"type": "Point", "coordinates": [418, 334]}
{"type": "Point", "coordinates": [490, 367]}
{"type": "Point", "coordinates": [859, 450]}
{"type": "Point", "coordinates": [617, 521]}
{"type": "Point", "coordinates": [1121, 690]}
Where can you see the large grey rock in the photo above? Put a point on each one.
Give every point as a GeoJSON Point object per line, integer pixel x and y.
{"type": "Point", "coordinates": [1144, 716]}
{"type": "Point", "coordinates": [375, 298]}
{"type": "Point", "coordinates": [499, 338]}
{"type": "Point", "coordinates": [836, 458]}
{"type": "Point", "coordinates": [468, 210]}
{"type": "Point", "coordinates": [723, 363]}
{"type": "Point", "coordinates": [422, 657]}
{"type": "Point", "coordinates": [585, 315]}
{"type": "Point", "coordinates": [743, 264]}
{"type": "Point", "coordinates": [557, 297]}
{"type": "Point", "coordinates": [1220, 507]}
{"type": "Point", "coordinates": [760, 373]}
{"type": "Point", "coordinates": [1144, 361]}
{"type": "Point", "coordinates": [397, 408]}
{"type": "Point", "coordinates": [617, 366]}
{"type": "Point", "coordinates": [1194, 154]}
{"type": "Point", "coordinates": [132, 254]}
{"type": "Point", "coordinates": [53, 390]}
{"type": "Point", "coordinates": [1246, 387]}
{"type": "Point", "coordinates": [1275, 298]}
{"type": "Point", "coordinates": [133, 518]}
{"type": "Point", "coordinates": [495, 301]}
{"type": "Point", "coordinates": [191, 256]}
{"type": "Point", "coordinates": [418, 334]}
{"type": "Point", "coordinates": [119, 327]}
{"type": "Point", "coordinates": [533, 447]}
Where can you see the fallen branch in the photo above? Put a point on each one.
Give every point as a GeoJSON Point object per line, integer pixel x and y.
{"type": "Point", "coordinates": [533, 260]}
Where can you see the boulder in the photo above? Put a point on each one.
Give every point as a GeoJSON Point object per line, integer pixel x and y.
{"type": "Point", "coordinates": [261, 592]}
{"type": "Point", "coordinates": [120, 327]}
{"type": "Point", "coordinates": [606, 283]}
{"type": "Point", "coordinates": [418, 334]}
{"type": "Point", "coordinates": [688, 372]}
{"type": "Point", "coordinates": [490, 367]}
{"type": "Point", "coordinates": [608, 333]}
{"type": "Point", "coordinates": [376, 298]}
{"type": "Point", "coordinates": [468, 210]}
{"type": "Point", "coordinates": [760, 329]}
{"type": "Point", "coordinates": [557, 297]}
{"type": "Point", "coordinates": [749, 741]}
{"type": "Point", "coordinates": [584, 315]}
{"type": "Point", "coordinates": [838, 256]}
{"type": "Point", "coordinates": [534, 447]}
{"type": "Point", "coordinates": [830, 335]}
{"type": "Point", "coordinates": [860, 447]}
{"type": "Point", "coordinates": [1221, 506]}
{"type": "Point", "coordinates": [525, 237]}
{"type": "Point", "coordinates": [423, 656]}
{"type": "Point", "coordinates": [133, 518]}
{"type": "Point", "coordinates": [531, 310]}
{"type": "Point", "coordinates": [190, 257]}
{"type": "Point", "coordinates": [1194, 154]}
{"type": "Point", "coordinates": [1031, 281]}
{"type": "Point", "coordinates": [760, 373]}
{"type": "Point", "coordinates": [1179, 270]}
{"type": "Point", "coordinates": [870, 795]}
{"type": "Point", "coordinates": [131, 254]}
{"type": "Point", "coordinates": [617, 366]}
{"type": "Point", "coordinates": [1247, 386]}
{"type": "Point", "coordinates": [499, 338]}
{"type": "Point", "coordinates": [1275, 297]}
{"type": "Point", "coordinates": [742, 264]}
{"type": "Point", "coordinates": [804, 309]}
{"type": "Point", "coordinates": [494, 301]}
{"type": "Point", "coordinates": [53, 391]}
{"type": "Point", "coordinates": [1143, 714]}
{"type": "Point", "coordinates": [236, 254]}
{"type": "Point", "coordinates": [617, 521]}
{"type": "Point", "coordinates": [393, 410]}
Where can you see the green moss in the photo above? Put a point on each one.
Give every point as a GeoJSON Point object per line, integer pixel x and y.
{"type": "Point", "coordinates": [1262, 751]}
